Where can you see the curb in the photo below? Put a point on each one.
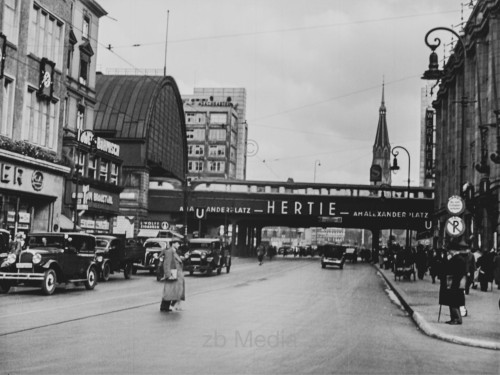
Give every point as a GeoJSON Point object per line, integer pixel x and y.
{"type": "Point", "coordinates": [426, 328]}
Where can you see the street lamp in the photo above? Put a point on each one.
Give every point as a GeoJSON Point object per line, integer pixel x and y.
{"type": "Point", "coordinates": [434, 73]}
{"type": "Point", "coordinates": [91, 141]}
{"type": "Point", "coordinates": [395, 167]}
{"type": "Point", "coordinates": [317, 163]}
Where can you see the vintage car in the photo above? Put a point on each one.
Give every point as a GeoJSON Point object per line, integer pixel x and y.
{"type": "Point", "coordinates": [50, 259]}
{"type": "Point", "coordinates": [351, 254]}
{"type": "Point", "coordinates": [152, 249]}
{"type": "Point", "coordinates": [206, 255]}
{"type": "Point", "coordinates": [332, 255]}
{"type": "Point", "coordinates": [4, 244]}
{"type": "Point", "coordinates": [115, 254]}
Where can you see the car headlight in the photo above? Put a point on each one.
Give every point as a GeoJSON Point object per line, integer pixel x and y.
{"type": "Point", "coordinates": [99, 258]}
{"type": "Point", "coordinates": [37, 258]}
{"type": "Point", "coordinates": [11, 258]}
{"type": "Point", "coordinates": [203, 256]}
{"type": "Point", "coordinates": [155, 255]}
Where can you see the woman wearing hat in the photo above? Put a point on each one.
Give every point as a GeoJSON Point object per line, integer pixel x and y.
{"type": "Point", "coordinates": [174, 288]}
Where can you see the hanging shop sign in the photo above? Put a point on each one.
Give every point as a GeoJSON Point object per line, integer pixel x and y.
{"type": "Point", "coordinates": [87, 137]}
{"type": "Point", "coordinates": [154, 224]}
{"type": "Point", "coordinates": [46, 80]}
{"type": "Point", "coordinates": [429, 143]}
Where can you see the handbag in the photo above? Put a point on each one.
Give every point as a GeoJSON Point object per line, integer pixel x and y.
{"type": "Point", "coordinates": [173, 275]}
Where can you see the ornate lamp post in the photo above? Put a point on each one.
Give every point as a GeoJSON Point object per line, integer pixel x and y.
{"type": "Point", "coordinates": [395, 167]}
{"type": "Point", "coordinates": [434, 73]}
{"type": "Point", "coordinates": [317, 163]}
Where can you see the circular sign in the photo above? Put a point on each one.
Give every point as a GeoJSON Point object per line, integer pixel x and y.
{"type": "Point", "coordinates": [455, 205]}
{"type": "Point", "coordinates": [164, 225]}
{"type": "Point", "coordinates": [455, 226]}
{"type": "Point", "coordinates": [37, 180]}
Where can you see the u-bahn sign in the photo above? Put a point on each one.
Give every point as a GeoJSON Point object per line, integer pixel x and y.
{"type": "Point", "coordinates": [302, 210]}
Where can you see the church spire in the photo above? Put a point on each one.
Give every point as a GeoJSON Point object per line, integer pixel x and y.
{"type": "Point", "coordinates": [382, 147]}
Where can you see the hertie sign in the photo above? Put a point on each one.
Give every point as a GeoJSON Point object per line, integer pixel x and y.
{"type": "Point", "coordinates": [455, 226]}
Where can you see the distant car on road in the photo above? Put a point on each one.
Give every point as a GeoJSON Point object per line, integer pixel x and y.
{"type": "Point", "coordinates": [351, 254]}
{"type": "Point", "coordinates": [116, 253]}
{"type": "Point", "coordinates": [332, 255]}
{"type": "Point", "coordinates": [50, 259]}
{"type": "Point", "coordinates": [206, 255]}
{"type": "Point", "coordinates": [152, 250]}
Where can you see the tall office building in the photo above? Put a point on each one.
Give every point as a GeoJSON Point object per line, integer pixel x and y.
{"type": "Point", "coordinates": [217, 133]}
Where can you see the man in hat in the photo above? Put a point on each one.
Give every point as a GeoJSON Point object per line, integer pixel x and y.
{"type": "Point", "coordinates": [455, 297]}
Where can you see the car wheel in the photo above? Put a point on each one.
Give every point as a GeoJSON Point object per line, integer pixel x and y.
{"type": "Point", "coordinates": [128, 270]}
{"type": "Point", "coordinates": [49, 282]}
{"type": "Point", "coordinates": [323, 265]}
{"type": "Point", "coordinates": [106, 271]}
{"type": "Point", "coordinates": [191, 273]}
{"type": "Point", "coordinates": [91, 281]}
{"type": "Point", "coordinates": [5, 287]}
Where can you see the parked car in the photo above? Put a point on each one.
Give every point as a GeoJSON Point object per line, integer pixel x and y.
{"type": "Point", "coordinates": [332, 255]}
{"type": "Point", "coordinates": [115, 254]}
{"type": "Point", "coordinates": [351, 254]}
{"type": "Point", "coordinates": [4, 244]}
{"type": "Point", "coordinates": [206, 255]}
{"type": "Point", "coordinates": [152, 249]}
{"type": "Point", "coordinates": [50, 259]}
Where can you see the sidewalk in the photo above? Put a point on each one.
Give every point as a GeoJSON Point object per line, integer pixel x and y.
{"type": "Point", "coordinates": [480, 328]}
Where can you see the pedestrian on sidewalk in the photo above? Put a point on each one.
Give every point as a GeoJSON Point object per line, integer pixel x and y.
{"type": "Point", "coordinates": [260, 254]}
{"type": "Point", "coordinates": [470, 269]}
{"type": "Point", "coordinates": [485, 265]}
{"type": "Point", "coordinates": [436, 266]}
{"type": "Point", "coordinates": [496, 268]}
{"type": "Point", "coordinates": [451, 291]}
{"type": "Point", "coordinates": [174, 288]}
{"type": "Point", "coordinates": [421, 261]}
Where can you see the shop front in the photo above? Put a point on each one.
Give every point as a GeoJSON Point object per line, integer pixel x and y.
{"type": "Point", "coordinates": [97, 210]}
{"type": "Point", "coordinates": [30, 192]}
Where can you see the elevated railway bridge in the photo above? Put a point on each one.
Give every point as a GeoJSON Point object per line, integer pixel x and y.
{"type": "Point", "coordinates": [250, 206]}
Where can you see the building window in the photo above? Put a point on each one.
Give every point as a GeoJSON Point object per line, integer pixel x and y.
{"type": "Point", "coordinates": [103, 171]}
{"type": "Point", "coordinates": [7, 109]}
{"type": "Point", "coordinates": [217, 166]}
{"type": "Point", "coordinates": [79, 162]}
{"type": "Point", "coordinates": [195, 166]}
{"type": "Point", "coordinates": [10, 25]}
{"type": "Point", "coordinates": [217, 135]}
{"type": "Point", "coordinates": [92, 167]}
{"type": "Point", "coordinates": [46, 35]}
{"type": "Point", "coordinates": [84, 69]}
{"type": "Point", "coordinates": [195, 134]}
{"type": "Point", "coordinates": [218, 118]}
{"type": "Point", "coordinates": [196, 150]}
{"type": "Point", "coordinates": [218, 150]}
{"type": "Point", "coordinates": [80, 118]}
{"type": "Point", "coordinates": [40, 125]}
{"type": "Point", "coordinates": [132, 180]}
{"type": "Point", "coordinates": [113, 178]}
{"type": "Point", "coordinates": [86, 27]}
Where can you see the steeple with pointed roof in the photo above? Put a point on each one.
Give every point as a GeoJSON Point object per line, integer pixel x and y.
{"type": "Point", "coordinates": [382, 147]}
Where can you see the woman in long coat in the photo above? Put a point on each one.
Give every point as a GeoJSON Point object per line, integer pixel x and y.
{"type": "Point", "coordinates": [173, 290]}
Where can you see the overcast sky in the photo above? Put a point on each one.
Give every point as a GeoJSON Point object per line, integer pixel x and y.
{"type": "Point", "coordinates": [312, 69]}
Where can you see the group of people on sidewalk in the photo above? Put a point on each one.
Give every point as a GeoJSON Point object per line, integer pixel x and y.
{"type": "Point", "coordinates": [457, 268]}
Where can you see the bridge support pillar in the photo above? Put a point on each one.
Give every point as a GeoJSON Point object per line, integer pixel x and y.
{"type": "Point", "coordinates": [242, 240]}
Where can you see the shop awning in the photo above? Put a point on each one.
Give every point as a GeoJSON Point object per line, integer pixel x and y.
{"type": "Point", "coordinates": [66, 224]}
